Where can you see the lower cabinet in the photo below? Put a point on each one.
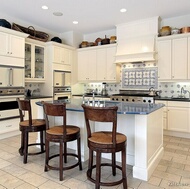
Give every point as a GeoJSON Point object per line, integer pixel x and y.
{"type": "Point", "coordinates": [176, 116]}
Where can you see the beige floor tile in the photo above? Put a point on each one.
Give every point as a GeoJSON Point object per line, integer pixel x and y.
{"type": "Point", "coordinates": [167, 176]}
{"type": "Point", "coordinates": [133, 182]}
{"type": "Point", "coordinates": [10, 181]}
{"type": "Point", "coordinates": [15, 170]}
{"type": "Point", "coordinates": [33, 167]}
{"type": "Point", "coordinates": [145, 185]}
{"type": "Point", "coordinates": [2, 187]}
{"type": "Point", "coordinates": [50, 185]}
{"type": "Point", "coordinates": [172, 164]}
{"type": "Point", "coordinates": [26, 186]}
{"type": "Point", "coordinates": [161, 167]}
{"type": "Point", "coordinates": [187, 167]}
{"type": "Point", "coordinates": [179, 172]}
{"type": "Point", "coordinates": [77, 184]}
{"type": "Point", "coordinates": [174, 185]}
{"type": "Point", "coordinates": [154, 181]}
{"type": "Point", "coordinates": [33, 179]}
{"type": "Point", "coordinates": [4, 163]}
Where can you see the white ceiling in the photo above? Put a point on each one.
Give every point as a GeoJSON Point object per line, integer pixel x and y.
{"type": "Point", "coordinates": [92, 15]}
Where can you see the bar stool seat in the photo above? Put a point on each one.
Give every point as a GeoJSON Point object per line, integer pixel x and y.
{"type": "Point", "coordinates": [28, 126]}
{"type": "Point", "coordinates": [61, 134]}
{"type": "Point", "coordinates": [104, 142]}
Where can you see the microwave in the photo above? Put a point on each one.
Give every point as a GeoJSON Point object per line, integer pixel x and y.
{"type": "Point", "coordinates": [61, 78]}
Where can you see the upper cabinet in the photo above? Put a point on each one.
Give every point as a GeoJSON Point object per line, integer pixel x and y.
{"type": "Point", "coordinates": [34, 61]}
{"type": "Point", "coordinates": [12, 47]}
{"type": "Point", "coordinates": [173, 57]}
{"type": "Point", "coordinates": [87, 65]}
{"type": "Point", "coordinates": [97, 64]}
{"type": "Point", "coordinates": [61, 56]}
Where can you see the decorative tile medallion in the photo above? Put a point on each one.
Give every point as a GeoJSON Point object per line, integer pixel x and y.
{"type": "Point", "coordinates": [142, 78]}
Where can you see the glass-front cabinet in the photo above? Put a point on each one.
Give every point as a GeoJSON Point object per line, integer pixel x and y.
{"type": "Point", "coordinates": [34, 62]}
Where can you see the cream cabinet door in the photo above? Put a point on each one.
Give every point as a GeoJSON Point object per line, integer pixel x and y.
{"type": "Point", "coordinates": [101, 64]}
{"type": "Point", "coordinates": [87, 65]}
{"type": "Point", "coordinates": [106, 69]}
{"type": "Point", "coordinates": [179, 58]}
{"type": "Point", "coordinates": [178, 119]}
{"type": "Point", "coordinates": [164, 60]}
{"type": "Point", "coordinates": [112, 69]}
{"type": "Point", "coordinates": [11, 45]}
{"type": "Point", "coordinates": [58, 55]}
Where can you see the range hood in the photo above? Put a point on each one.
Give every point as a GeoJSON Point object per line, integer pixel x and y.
{"type": "Point", "coordinates": [136, 49]}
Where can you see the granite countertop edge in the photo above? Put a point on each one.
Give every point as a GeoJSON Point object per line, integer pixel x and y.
{"type": "Point", "coordinates": [172, 99]}
{"type": "Point", "coordinates": [37, 97]}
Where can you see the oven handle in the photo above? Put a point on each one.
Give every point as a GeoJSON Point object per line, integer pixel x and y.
{"type": "Point", "coordinates": [10, 76]}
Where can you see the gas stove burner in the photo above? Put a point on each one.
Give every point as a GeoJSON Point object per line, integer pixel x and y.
{"type": "Point", "coordinates": [133, 96]}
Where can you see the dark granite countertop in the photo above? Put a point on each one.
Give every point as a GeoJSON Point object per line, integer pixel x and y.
{"type": "Point", "coordinates": [90, 95]}
{"type": "Point", "coordinates": [123, 107]}
{"type": "Point", "coordinates": [37, 97]}
{"type": "Point", "coordinates": [172, 99]}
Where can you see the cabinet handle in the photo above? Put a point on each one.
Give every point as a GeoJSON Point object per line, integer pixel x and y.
{"type": "Point", "coordinates": [8, 125]}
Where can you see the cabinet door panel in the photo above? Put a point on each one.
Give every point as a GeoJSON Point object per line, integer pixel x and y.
{"type": "Point", "coordinates": [111, 67]}
{"type": "Point", "coordinates": [164, 59]}
{"type": "Point", "coordinates": [101, 64]}
{"type": "Point", "coordinates": [92, 68]}
{"type": "Point", "coordinates": [82, 65]}
{"type": "Point", "coordinates": [179, 58]}
{"type": "Point", "coordinates": [18, 81]}
{"type": "Point", "coordinates": [4, 43]}
{"type": "Point", "coordinates": [17, 45]}
{"type": "Point", "coordinates": [178, 119]}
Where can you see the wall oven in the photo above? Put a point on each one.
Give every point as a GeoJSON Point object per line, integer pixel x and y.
{"type": "Point", "coordinates": [8, 103]}
{"type": "Point", "coordinates": [62, 93]}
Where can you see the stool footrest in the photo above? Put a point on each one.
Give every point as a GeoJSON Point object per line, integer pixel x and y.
{"type": "Point", "coordinates": [89, 171]}
{"type": "Point", "coordinates": [66, 167]}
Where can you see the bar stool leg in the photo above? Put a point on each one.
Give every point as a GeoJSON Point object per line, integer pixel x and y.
{"type": "Point", "coordinates": [124, 168]}
{"type": "Point", "coordinates": [90, 162]}
{"type": "Point", "coordinates": [21, 149]}
{"type": "Point", "coordinates": [47, 155]}
{"type": "Point", "coordinates": [61, 161]}
{"type": "Point", "coordinates": [113, 164]}
{"type": "Point", "coordinates": [65, 152]}
{"type": "Point", "coordinates": [79, 153]}
{"type": "Point", "coordinates": [25, 147]}
{"type": "Point", "coordinates": [98, 169]}
{"type": "Point", "coordinates": [41, 141]}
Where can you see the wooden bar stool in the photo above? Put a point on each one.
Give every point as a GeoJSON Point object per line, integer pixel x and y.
{"type": "Point", "coordinates": [27, 126]}
{"type": "Point", "coordinates": [104, 142]}
{"type": "Point", "coordinates": [61, 134]}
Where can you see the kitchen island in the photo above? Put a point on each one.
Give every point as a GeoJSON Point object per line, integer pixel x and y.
{"type": "Point", "coordinates": [141, 123]}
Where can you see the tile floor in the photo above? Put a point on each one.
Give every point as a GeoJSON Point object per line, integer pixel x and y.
{"type": "Point", "coordinates": [173, 171]}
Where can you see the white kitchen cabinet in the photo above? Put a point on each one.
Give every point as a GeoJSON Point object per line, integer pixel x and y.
{"type": "Point", "coordinates": [87, 65]}
{"type": "Point", "coordinates": [173, 57]}
{"type": "Point", "coordinates": [11, 45]}
{"type": "Point", "coordinates": [106, 69]}
{"type": "Point", "coordinates": [97, 64]}
{"type": "Point", "coordinates": [11, 77]}
{"type": "Point", "coordinates": [34, 61]}
{"type": "Point", "coordinates": [164, 60]}
{"type": "Point", "coordinates": [179, 58]}
{"type": "Point", "coordinates": [62, 55]}
{"type": "Point", "coordinates": [165, 117]}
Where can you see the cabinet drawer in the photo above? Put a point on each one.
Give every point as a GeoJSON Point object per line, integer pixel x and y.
{"type": "Point", "coordinates": [9, 125]}
{"type": "Point", "coordinates": [179, 104]}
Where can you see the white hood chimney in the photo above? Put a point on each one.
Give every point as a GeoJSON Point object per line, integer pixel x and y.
{"type": "Point", "coordinates": [136, 41]}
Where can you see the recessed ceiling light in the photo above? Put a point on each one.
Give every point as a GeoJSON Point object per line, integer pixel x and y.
{"type": "Point", "coordinates": [58, 14]}
{"type": "Point", "coordinates": [123, 10]}
{"type": "Point", "coordinates": [44, 7]}
{"type": "Point", "coordinates": [75, 22]}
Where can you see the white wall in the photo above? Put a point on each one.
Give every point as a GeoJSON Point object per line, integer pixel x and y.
{"type": "Point", "coordinates": [27, 24]}
{"type": "Point", "coordinates": [176, 22]}
{"type": "Point", "coordinates": [93, 36]}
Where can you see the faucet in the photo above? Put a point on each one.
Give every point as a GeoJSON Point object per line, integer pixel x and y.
{"type": "Point", "coordinates": [93, 98]}
{"type": "Point", "coordinates": [182, 92]}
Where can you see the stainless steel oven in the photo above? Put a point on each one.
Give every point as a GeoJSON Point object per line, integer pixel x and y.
{"type": "Point", "coordinates": [8, 103]}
